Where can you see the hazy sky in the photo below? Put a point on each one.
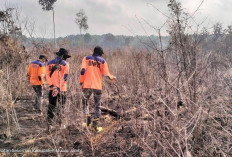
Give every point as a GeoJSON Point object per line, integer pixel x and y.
{"type": "Point", "coordinates": [115, 16]}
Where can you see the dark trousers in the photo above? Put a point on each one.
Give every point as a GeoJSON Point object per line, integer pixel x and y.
{"type": "Point", "coordinates": [97, 101]}
{"type": "Point", "coordinates": [38, 99]}
{"type": "Point", "coordinates": [55, 102]}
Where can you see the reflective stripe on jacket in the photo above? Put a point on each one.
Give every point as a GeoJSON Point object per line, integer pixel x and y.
{"type": "Point", "coordinates": [60, 75]}
{"type": "Point", "coordinates": [36, 73]}
{"type": "Point", "coordinates": [92, 69]}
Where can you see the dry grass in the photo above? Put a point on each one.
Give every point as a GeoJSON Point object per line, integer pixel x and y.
{"type": "Point", "coordinates": [160, 116]}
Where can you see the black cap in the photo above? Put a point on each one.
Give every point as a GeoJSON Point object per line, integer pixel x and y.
{"type": "Point", "coordinates": [98, 50]}
{"type": "Point", "coordinates": [63, 52]}
{"type": "Point", "coordinates": [43, 56]}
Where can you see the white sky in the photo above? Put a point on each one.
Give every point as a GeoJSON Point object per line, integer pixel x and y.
{"type": "Point", "coordinates": [119, 17]}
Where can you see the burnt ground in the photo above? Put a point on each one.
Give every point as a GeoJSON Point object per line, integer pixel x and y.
{"type": "Point", "coordinates": [143, 130]}
{"type": "Point", "coordinates": [27, 135]}
{"type": "Point", "coordinates": [30, 134]}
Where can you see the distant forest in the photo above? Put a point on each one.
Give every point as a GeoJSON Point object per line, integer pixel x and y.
{"type": "Point", "coordinates": [219, 40]}
{"type": "Point", "coordinates": [108, 41]}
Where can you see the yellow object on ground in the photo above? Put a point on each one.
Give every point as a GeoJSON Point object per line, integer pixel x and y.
{"type": "Point", "coordinates": [99, 129]}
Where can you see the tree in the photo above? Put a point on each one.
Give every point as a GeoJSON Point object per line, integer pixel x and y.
{"type": "Point", "coordinates": [217, 30]}
{"type": "Point", "coordinates": [127, 41]}
{"type": "Point", "coordinates": [229, 29]}
{"type": "Point", "coordinates": [109, 40]}
{"type": "Point", "coordinates": [87, 38]}
{"type": "Point", "coordinates": [7, 23]}
{"type": "Point", "coordinates": [47, 5]}
{"type": "Point", "coordinates": [81, 20]}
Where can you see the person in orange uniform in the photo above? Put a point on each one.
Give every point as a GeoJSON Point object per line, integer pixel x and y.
{"type": "Point", "coordinates": [57, 71]}
{"type": "Point", "coordinates": [92, 69]}
{"type": "Point", "coordinates": [36, 76]}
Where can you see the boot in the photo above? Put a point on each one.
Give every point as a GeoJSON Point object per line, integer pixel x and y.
{"type": "Point", "coordinates": [49, 124]}
{"type": "Point", "coordinates": [95, 127]}
{"type": "Point", "coordinates": [87, 121]}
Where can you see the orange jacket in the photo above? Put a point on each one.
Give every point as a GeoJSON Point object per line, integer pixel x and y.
{"type": "Point", "coordinates": [59, 77]}
{"type": "Point", "coordinates": [36, 73]}
{"type": "Point", "coordinates": [92, 69]}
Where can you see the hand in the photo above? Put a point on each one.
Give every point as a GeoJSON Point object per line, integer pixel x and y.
{"type": "Point", "coordinates": [113, 77]}
{"type": "Point", "coordinates": [28, 81]}
{"type": "Point", "coordinates": [44, 86]}
{"type": "Point", "coordinates": [55, 91]}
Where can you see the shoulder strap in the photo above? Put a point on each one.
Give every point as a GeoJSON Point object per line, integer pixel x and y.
{"type": "Point", "coordinates": [55, 67]}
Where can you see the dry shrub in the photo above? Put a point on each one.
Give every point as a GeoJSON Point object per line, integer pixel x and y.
{"type": "Point", "coordinates": [173, 102]}
{"type": "Point", "coordinates": [154, 121]}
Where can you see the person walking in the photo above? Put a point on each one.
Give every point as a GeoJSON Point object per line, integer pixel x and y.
{"type": "Point", "coordinates": [92, 69]}
{"type": "Point", "coordinates": [57, 71]}
{"type": "Point", "coordinates": [36, 76]}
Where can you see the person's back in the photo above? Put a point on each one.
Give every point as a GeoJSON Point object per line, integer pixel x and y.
{"type": "Point", "coordinates": [57, 78]}
{"type": "Point", "coordinates": [93, 67]}
{"type": "Point", "coordinates": [36, 72]}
